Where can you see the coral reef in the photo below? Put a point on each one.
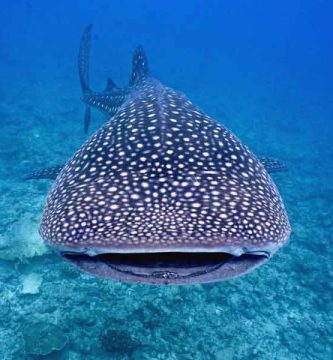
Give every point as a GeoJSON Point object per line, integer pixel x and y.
{"type": "Point", "coordinates": [31, 283]}
{"type": "Point", "coordinates": [42, 339]}
{"type": "Point", "coordinates": [115, 341]}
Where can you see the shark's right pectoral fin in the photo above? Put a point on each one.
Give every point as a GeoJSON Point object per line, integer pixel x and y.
{"type": "Point", "coordinates": [46, 173]}
{"type": "Point", "coordinates": [273, 165]}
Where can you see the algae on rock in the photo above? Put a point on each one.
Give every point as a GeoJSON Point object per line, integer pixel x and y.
{"type": "Point", "coordinates": [42, 339]}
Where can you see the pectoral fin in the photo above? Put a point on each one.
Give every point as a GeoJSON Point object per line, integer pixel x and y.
{"type": "Point", "coordinates": [273, 165]}
{"type": "Point", "coordinates": [46, 173]}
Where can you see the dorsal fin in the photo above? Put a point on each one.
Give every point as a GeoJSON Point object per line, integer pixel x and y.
{"type": "Point", "coordinates": [110, 84]}
{"type": "Point", "coordinates": [140, 68]}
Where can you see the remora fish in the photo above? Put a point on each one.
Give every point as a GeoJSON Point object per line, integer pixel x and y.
{"type": "Point", "coordinates": [161, 193]}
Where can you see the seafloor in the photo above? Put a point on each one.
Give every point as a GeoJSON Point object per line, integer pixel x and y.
{"type": "Point", "coordinates": [49, 310]}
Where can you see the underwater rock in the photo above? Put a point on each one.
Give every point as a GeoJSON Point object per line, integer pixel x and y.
{"type": "Point", "coordinates": [31, 283]}
{"type": "Point", "coordinates": [27, 242]}
{"type": "Point", "coordinates": [42, 339]}
{"type": "Point", "coordinates": [11, 344]}
{"type": "Point", "coordinates": [225, 354]}
{"type": "Point", "coordinates": [3, 244]}
{"type": "Point", "coordinates": [115, 341]}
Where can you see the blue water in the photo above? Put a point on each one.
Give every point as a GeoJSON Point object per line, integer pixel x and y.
{"type": "Point", "coordinates": [262, 68]}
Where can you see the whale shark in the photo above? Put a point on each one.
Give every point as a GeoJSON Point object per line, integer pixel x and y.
{"type": "Point", "coordinates": [161, 193]}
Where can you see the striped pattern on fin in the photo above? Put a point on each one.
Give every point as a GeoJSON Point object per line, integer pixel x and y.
{"type": "Point", "coordinates": [108, 102]}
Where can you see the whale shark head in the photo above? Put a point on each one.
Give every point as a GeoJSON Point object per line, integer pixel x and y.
{"type": "Point", "coordinates": [164, 194]}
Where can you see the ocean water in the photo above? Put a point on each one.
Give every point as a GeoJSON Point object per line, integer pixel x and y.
{"type": "Point", "coordinates": [264, 69]}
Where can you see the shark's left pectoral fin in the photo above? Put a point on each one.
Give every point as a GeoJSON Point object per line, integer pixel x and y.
{"type": "Point", "coordinates": [46, 173]}
{"type": "Point", "coordinates": [273, 165]}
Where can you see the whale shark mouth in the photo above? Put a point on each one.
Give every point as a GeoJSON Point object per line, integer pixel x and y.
{"type": "Point", "coordinates": [168, 268]}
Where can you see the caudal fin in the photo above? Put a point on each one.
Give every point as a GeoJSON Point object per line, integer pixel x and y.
{"type": "Point", "coordinates": [83, 59]}
{"type": "Point", "coordinates": [112, 97]}
{"type": "Point", "coordinates": [87, 119]}
{"type": "Point", "coordinates": [83, 65]}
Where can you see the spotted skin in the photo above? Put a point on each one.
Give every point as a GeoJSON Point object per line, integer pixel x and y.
{"type": "Point", "coordinates": [108, 102]}
{"type": "Point", "coordinates": [163, 176]}
{"type": "Point", "coordinates": [271, 165]}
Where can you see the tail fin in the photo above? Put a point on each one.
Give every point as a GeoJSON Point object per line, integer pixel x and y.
{"type": "Point", "coordinates": [140, 68]}
{"type": "Point", "coordinates": [87, 119]}
{"type": "Point", "coordinates": [83, 64]}
{"type": "Point", "coordinates": [83, 60]}
{"type": "Point", "coordinates": [112, 97]}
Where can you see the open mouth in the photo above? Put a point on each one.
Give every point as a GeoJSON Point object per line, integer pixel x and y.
{"type": "Point", "coordinates": [167, 267]}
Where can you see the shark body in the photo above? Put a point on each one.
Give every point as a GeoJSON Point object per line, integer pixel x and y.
{"type": "Point", "coordinates": [161, 193]}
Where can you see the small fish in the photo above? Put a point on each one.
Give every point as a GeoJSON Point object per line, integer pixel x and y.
{"type": "Point", "coordinates": [161, 193]}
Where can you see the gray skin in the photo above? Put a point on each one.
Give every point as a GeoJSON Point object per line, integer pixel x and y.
{"type": "Point", "coordinates": [161, 193]}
